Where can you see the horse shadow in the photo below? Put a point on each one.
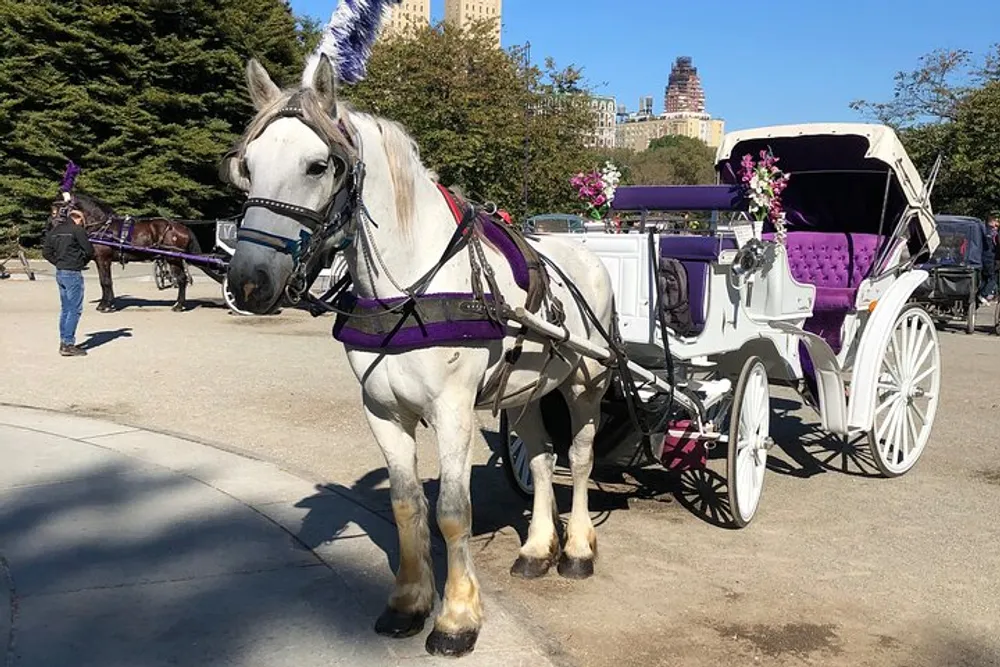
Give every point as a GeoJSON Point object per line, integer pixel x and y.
{"type": "Point", "coordinates": [326, 520]}
{"type": "Point", "coordinates": [701, 491]}
{"type": "Point", "coordinates": [126, 302]}
{"type": "Point", "coordinates": [98, 338]}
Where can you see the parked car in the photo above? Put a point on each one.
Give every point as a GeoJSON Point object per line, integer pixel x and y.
{"type": "Point", "coordinates": [556, 223]}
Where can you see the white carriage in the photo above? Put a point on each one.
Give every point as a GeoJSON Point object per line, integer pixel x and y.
{"type": "Point", "coordinates": [822, 308]}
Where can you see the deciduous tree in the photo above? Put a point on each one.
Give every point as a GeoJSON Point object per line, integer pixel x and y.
{"type": "Point", "coordinates": [484, 119]}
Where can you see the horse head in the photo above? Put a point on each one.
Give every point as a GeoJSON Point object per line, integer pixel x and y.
{"type": "Point", "coordinates": [95, 212]}
{"type": "Point", "coordinates": [301, 170]}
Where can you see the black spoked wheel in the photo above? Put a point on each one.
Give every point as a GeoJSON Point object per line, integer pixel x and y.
{"type": "Point", "coordinates": [515, 459]}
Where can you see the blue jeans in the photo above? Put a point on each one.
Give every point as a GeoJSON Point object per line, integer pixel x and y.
{"type": "Point", "coordinates": [71, 302]}
{"type": "Point", "coordinates": [989, 287]}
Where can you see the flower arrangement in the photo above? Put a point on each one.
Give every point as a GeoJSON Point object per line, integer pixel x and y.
{"type": "Point", "coordinates": [597, 189]}
{"type": "Point", "coordinates": [764, 183]}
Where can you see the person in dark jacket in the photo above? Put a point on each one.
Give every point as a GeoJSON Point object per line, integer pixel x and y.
{"type": "Point", "coordinates": [988, 291]}
{"type": "Point", "coordinates": [69, 250]}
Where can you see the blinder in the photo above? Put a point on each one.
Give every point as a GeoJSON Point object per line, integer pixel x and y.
{"type": "Point", "coordinates": [318, 225]}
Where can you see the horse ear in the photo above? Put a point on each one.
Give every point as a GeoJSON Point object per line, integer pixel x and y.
{"type": "Point", "coordinates": [230, 171]}
{"type": "Point", "coordinates": [324, 83]}
{"type": "Point", "coordinates": [263, 91]}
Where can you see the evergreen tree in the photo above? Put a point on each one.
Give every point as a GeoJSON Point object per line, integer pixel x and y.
{"type": "Point", "coordinates": [145, 95]}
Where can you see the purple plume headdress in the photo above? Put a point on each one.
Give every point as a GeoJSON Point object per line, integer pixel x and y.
{"type": "Point", "coordinates": [69, 178]}
{"type": "Point", "coordinates": [349, 37]}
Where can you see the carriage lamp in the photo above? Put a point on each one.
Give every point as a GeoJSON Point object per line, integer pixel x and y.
{"type": "Point", "coordinates": [749, 258]}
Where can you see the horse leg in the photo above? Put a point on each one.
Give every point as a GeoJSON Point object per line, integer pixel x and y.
{"type": "Point", "coordinates": [541, 550]}
{"type": "Point", "coordinates": [107, 302]}
{"type": "Point", "coordinates": [586, 391]}
{"type": "Point", "coordinates": [457, 626]}
{"type": "Point", "coordinates": [413, 597]}
{"type": "Point", "coordinates": [180, 277]}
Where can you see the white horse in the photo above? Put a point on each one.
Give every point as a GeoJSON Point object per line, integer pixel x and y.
{"type": "Point", "coordinates": [297, 162]}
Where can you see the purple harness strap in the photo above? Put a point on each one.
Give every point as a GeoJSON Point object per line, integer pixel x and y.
{"type": "Point", "coordinates": [453, 318]}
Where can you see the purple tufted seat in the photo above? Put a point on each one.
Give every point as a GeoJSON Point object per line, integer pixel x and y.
{"type": "Point", "coordinates": [836, 263]}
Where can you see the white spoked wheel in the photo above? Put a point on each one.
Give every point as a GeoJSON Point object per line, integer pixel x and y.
{"type": "Point", "coordinates": [749, 439]}
{"type": "Point", "coordinates": [515, 459]}
{"type": "Point", "coordinates": [909, 383]}
{"type": "Point", "coordinates": [230, 301]}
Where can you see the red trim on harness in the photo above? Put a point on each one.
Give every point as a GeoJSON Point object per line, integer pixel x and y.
{"type": "Point", "coordinates": [453, 205]}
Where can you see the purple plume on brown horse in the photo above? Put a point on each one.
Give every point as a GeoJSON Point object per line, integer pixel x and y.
{"type": "Point", "coordinates": [103, 223]}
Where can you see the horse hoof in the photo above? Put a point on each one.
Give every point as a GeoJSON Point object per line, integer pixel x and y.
{"type": "Point", "coordinates": [178, 308]}
{"type": "Point", "coordinates": [398, 624]}
{"type": "Point", "coordinates": [528, 567]}
{"type": "Point", "coordinates": [575, 568]}
{"type": "Point", "coordinates": [453, 646]}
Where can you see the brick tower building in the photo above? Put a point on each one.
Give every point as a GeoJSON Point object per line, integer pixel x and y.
{"type": "Point", "coordinates": [684, 91]}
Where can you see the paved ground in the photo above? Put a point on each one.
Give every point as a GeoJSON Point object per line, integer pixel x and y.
{"type": "Point", "coordinates": [840, 567]}
{"type": "Point", "coordinates": [119, 546]}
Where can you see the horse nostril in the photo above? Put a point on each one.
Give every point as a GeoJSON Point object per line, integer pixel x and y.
{"type": "Point", "coordinates": [248, 289]}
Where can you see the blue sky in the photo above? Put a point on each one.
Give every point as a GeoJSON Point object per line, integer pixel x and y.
{"type": "Point", "coordinates": [760, 63]}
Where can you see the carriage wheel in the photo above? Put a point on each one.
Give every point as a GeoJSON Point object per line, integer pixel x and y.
{"type": "Point", "coordinates": [749, 439]}
{"type": "Point", "coordinates": [970, 316]}
{"type": "Point", "coordinates": [337, 270]}
{"type": "Point", "coordinates": [996, 319]}
{"type": "Point", "coordinates": [230, 301]}
{"type": "Point", "coordinates": [906, 399]}
{"type": "Point", "coordinates": [515, 459]}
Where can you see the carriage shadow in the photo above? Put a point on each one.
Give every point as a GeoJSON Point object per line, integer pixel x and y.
{"type": "Point", "coordinates": [813, 451]}
{"type": "Point", "coordinates": [700, 491]}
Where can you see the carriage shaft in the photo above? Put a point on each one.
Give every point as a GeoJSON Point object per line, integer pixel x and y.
{"type": "Point", "coordinates": [193, 259]}
{"type": "Point", "coordinates": [595, 351]}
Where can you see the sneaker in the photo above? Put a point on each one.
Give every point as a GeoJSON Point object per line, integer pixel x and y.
{"type": "Point", "coordinates": [72, 350]}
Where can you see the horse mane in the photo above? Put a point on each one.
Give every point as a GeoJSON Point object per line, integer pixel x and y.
{"type": "Point", "coordinates": [94, 208]}
{"type": "Point", "coordinates": [401, 150]}
{"type": "Point", "coordinates": [405, 164]}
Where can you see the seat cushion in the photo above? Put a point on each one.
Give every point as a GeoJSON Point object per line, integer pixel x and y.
{"type": "Point", "coordinates": [696, 254]}
{"type": "Point", "coordinates": [835, 299]}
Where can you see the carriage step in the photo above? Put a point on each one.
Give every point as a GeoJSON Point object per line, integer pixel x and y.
{"type": "Point", "coordinates": [713, 390]}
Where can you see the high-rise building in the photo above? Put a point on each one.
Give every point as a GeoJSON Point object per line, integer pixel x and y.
{"type": "Point", "coordinates": [462, 12]}
{"type": "Point", "coordinates": [684, 113]}
{"type": "Point", "coordinates": [407, 16]}
{"type": "Point", "coordinates": [684, 92]}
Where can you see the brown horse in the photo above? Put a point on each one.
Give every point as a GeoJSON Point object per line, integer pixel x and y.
{"type": "Point", "coordinates": [102, 223]}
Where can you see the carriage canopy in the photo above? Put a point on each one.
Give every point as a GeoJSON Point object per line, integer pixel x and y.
{"type": "Point", "coordinates": [846, 177]}
{"type": "Point", "coordinates": [962, 240]}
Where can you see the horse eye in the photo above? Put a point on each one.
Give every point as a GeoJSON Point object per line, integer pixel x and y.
{"type": "Point", "coordinates": [317, 169]}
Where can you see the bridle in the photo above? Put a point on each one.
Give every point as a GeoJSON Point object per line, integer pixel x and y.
{"type": "Point", "coordinates": [339, 214]}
